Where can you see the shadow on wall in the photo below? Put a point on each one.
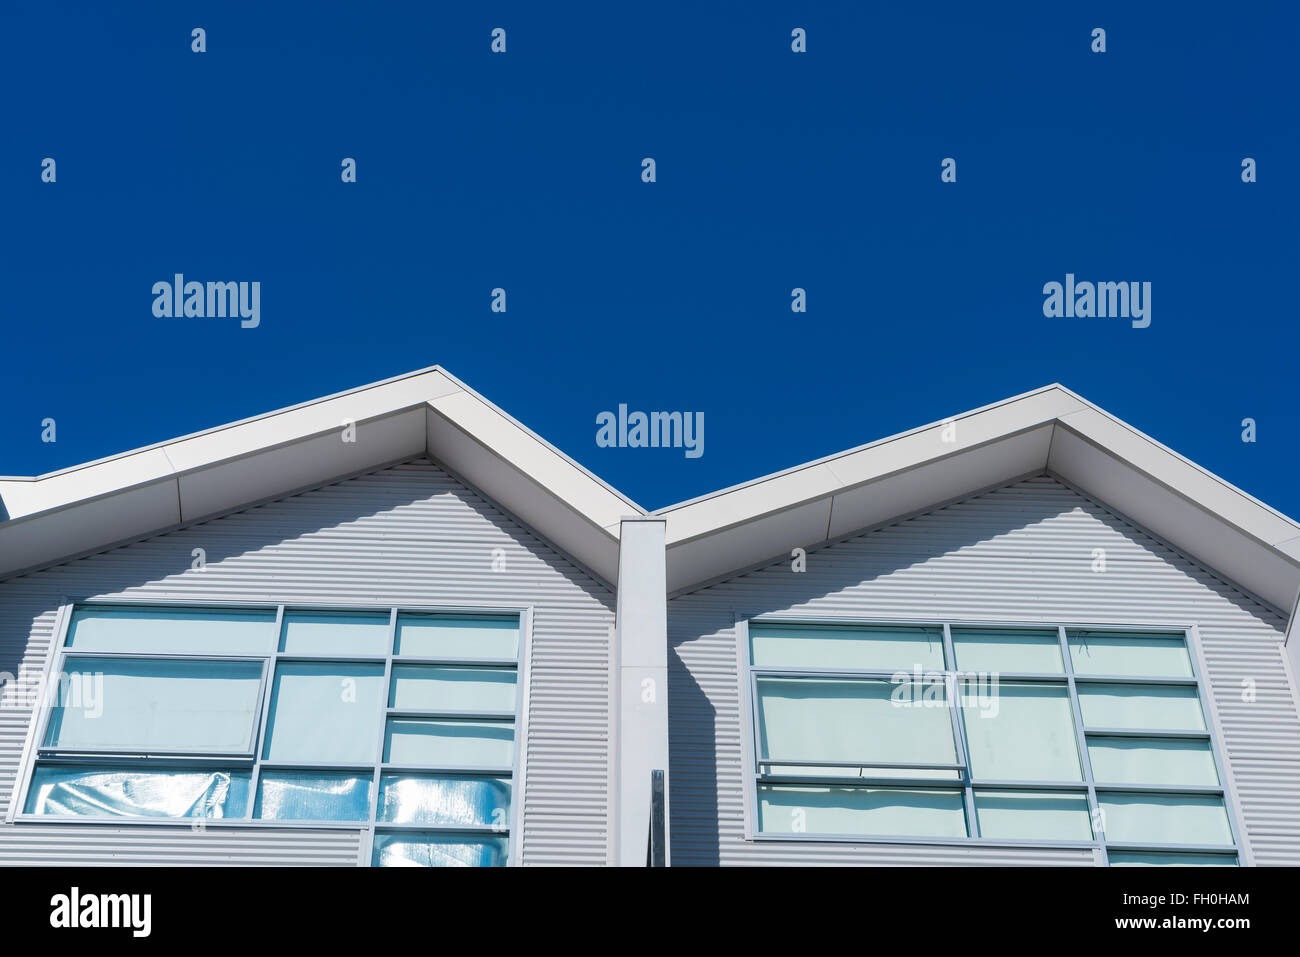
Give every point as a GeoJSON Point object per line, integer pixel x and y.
{"type": "Point", "coordinates": [240, 557]}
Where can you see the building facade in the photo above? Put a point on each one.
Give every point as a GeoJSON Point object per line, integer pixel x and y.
{"type": "Point", "coordinates": [394, 627]}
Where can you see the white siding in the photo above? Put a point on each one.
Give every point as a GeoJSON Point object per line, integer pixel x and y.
{"type": "Point", "coordinates": [1021, 553]}
{"type": "Point", "coordinates": [410, 535]}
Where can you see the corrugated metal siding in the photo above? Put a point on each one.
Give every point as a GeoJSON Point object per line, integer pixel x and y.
{"type": "Point", "coordinates": [410, 535]}
{"type": "Point", "coordinates": [1022, 553]}
{"type": "Point", "coordinates": [95, 845]}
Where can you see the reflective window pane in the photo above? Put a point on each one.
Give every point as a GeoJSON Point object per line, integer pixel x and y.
{"type": "Point", "coordinates": [1164, 818]}
{"type": "Point", "coordinates": [439, 688]}
{"type": "Point", "coordinates": [1135, 654]}
{"type": "Point", "coordinates": [1033, 815]}
{"type": "Point", "coordinates": [1007, 651]}
{"type": "Point", "coordinates": [1021, 732]}
{"type": "Point", "coordinates": [428, 849]}
{"type": "Point", "coordinates": [789, 809]}
{"type": "Point", "coordinates": [1141, 707]}
{"type": "Point", "coordinates": [313, 796]}
{"type": "Point", "coordinates": [854, 721]}
{"type": "Point", "coordinates": [454, 636]}
{"type": "Point", "coordinates": [450, 744]}
{"type": "Point", "coordinates": [325, 712]}
{"type": "Point", "coordinates": [1151, 761]}
{"type": "Point", "coordinates": [334, 633]}
{"type": "Point", "coordinates": [156, 705]}
{"type": "Point", "coordinates": [135, 792]}
{"type": "Point", "coordinates": [851, 647]}
{"type": "Point", "coordinates": [444, 800]}
{"type": "Point", "coordinates": [173, 631]}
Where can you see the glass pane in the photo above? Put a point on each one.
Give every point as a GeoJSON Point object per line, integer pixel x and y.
{"type": "Point", "coordinates": [850, 647]}
{"type": "Point", "coordinates": [450, 744]}
{"type": "Point", "coordinates": [1033, 815]}
{"type": "Point", "coordinates": [313, 796]}
{"type": "Point", "coordinates": [154, 705]}
{"type": "Point", "coordinates": [1021, 732]}
{"type": "Point", "coordinates": [1141, 707]}
{"type": "Point", "coordinates": [854, 721]}
{"type": "Point", "coordinates": [1115, 653]}
{"type": "Point", "coordinates": [448, 636]}
{"type": "Point", "coordinates": [446, 801]}
{"type": "Point", "coordinates": [999, 651]}
{"type": "Point", "coordinates": [334, 633]}
{"type": "Point", "coordinates": [173, 631]}
{"type": "Point", "coordinates": [436, 688]}
{"type": "Point", "coordinates": [1169, 859]}
{"type": "Point", "coordinates": [1164, 818]}
{"type": "Point", "coordinates": [786, 809]}
{"type": "Point", "coordinates": [1151, 761]}
{"type": "Point", "coordinates": [119, 792]}
{"type": "Point", "coordinates": [325, 712]}
{"type": "Point", "coordinates": [421, 849]}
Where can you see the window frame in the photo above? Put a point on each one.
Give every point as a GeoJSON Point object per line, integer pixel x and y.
{"type": "Point", "coordinates": [36, 753]}
{"type": "Point", "coordinates": [751, 748]}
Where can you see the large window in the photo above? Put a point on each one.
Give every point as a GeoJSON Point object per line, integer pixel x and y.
{"type": "Point", "coordinates": [1090, 736]}
{"type": "Point", "coordinates": [401, 722]}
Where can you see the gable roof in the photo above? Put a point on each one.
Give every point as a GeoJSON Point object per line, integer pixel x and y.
{"type": "Point", "coordinates": [90, 507]}
{"type": "Point", "coordinates": [64, 514]}
{"type": "Point", "coordinates": [1047, 430]}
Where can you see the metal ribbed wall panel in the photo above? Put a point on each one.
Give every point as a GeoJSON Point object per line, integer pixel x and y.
{"type": "Point", "coordinates": [1021, 553]}
{"type": "Point", "coordinates": [96, 845]}
{"type": "Point", "coordinates": [410, 535]}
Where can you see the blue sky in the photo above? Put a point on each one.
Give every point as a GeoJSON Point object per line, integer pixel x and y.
{"type": "Point", "coordinates": [775, 170]}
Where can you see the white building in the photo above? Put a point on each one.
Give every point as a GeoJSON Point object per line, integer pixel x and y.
{"type": "Point", "coordinates": [394, 626]}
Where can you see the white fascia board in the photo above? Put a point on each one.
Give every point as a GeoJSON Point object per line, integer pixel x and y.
{"type": "Point", "coordinates": [870, 463]}
{"type": "Point", "coordinates": [544, 488]}
{"type": "Point", "coordinates": [1202, 516]}
{"type": "Point", "coordinates": [301, 422]}
{"type": "Point", "coordinates": [102, 503]}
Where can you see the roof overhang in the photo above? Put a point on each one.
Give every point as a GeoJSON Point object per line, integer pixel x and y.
{"type": "Point", "coordinates": [59, 516]}
{"type": "Point", "coordinates": [55, 517]}
{"type": "Point", "coordinates": [1047, 430]}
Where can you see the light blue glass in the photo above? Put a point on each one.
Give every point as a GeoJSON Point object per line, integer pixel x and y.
{"type": "Point", "coordinates": [1124, 760]}
{"type": "Point", "coordinates": [148, 706]}
{"type": "Point", "coordinates": [458, 636]}
{"type": "Point", "coordinates": [427, 849]}
{"type": "Point", "coordinates": [1164, 818]}
{"type": "Point", "coordinates": [450, 744]}
{"type": "Point", "coordinates": [1023, 732]}
{"type": "Point", "coordinates": [440, 688]}
{"type": "Point", "coordinates": [1129, 654]}
{"type": "Point", "coordinates": [1033, 815]}
{"type": "Point", "coordinates": [1169, 859]}
{"type": "Point", "coordinates": [131, 792]}
{"type": "Point", "coordinates": [854, 647]}
{"type": "Point", "coordinates": [335, 633]}
{"type": "Point", "coordinates": [444, 800]}
{"type": "Point", "coordinates": [1140, 707]}
{"type": "Point", "coordinates": [150, 630]}
{"type": "Point", "coordinates": [885, 812]}
{"type": "Point", "coordinates": [854, 721]}
{"type": "Point", "coordinates": [312, 796]}
{"type": "Point", "coordinates": [1007, 651]}
{"type": "Point", "coordinates": [325, 712]}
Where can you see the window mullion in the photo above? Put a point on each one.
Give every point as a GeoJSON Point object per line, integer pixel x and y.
{"type": "Point", "coordinates": [384, 699]}
{"type": "Point", "coordinates": [268, 671]}
{"type": "Point", "coordinates": [1094, 809]}
{"type": "Point", "coordinates": [953, 694]}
